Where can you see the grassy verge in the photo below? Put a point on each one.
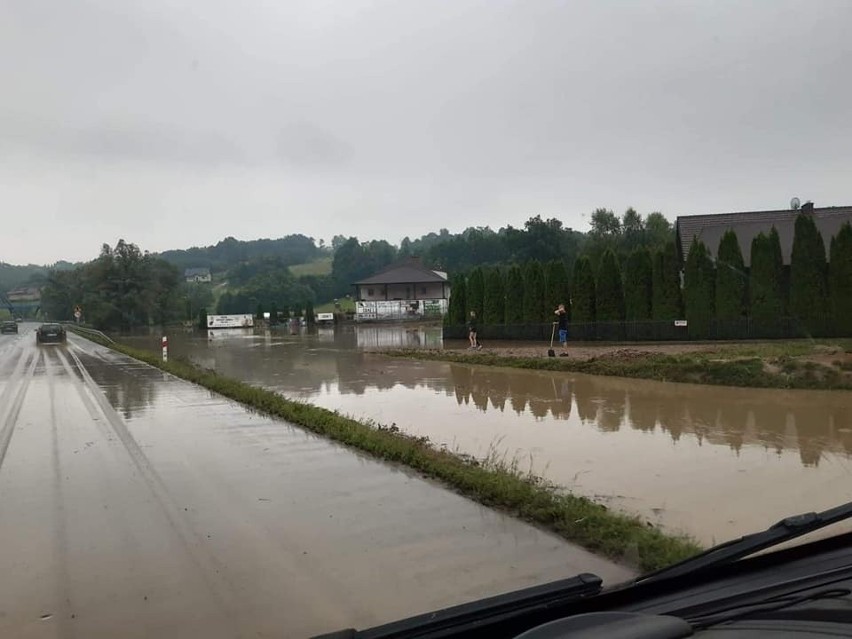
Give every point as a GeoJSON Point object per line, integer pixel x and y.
{"type": "Point", "coordinates": [346, 305]}
{"type": "Point", "coordinates": [321, 266]}
{"type": "Point", "coordinates": [492, 482]}
{"type": "Point", "coordinates": [746, 370]}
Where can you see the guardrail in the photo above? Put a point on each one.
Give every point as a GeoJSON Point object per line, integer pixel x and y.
{"type": "Point", "coordinates": [82, 329]}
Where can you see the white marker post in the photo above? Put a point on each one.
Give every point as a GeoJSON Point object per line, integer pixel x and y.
{"type": "Point", "coordinates": [165, 348]}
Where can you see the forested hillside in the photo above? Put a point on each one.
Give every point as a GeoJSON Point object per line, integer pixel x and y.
{"type": "Point", "coordinates": [256, 274]}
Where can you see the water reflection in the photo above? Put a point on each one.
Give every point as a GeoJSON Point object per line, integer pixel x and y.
{"type": "Point", "coordinates": [813, 423]}
{"type": "Point", "coordinates": [335, 362]}
{"type": "Point", "coordinates": [128, 391]}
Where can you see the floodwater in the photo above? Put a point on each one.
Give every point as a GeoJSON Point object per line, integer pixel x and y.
{"type": "Point", "coordinates": [714, 462]}
{"type": "Point", "coordinates": [134, 504]}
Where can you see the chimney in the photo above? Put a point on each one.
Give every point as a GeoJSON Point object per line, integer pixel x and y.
{"type": "Point", "coordinates": [808, 208]}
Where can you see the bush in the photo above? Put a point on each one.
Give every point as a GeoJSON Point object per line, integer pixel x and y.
{"type": "Point", "coordinates": [609, 293]}
{"type": "Point", "coordinates": [637, 289]}
{"type": "Point", "coordinates": [534, 292]}
{"type": "Point", "coordinates": [458, 302]}
{"type": "Point", "coordinates": [495, 297]}
{"type": "Point", "coordinates": [808, 284]}
{"type": "Point", "coordinates": [475, 293]}
{"type": "Point", "coordinates": [731, 279]}
{"type": "Point", "coordinates": [766, 277]}
{"type": "Point", "coordinates": [667, 300]}
{"type": "Point", "coordinates": [557, 290]}
{"type": "Point", "coordinates": [699, 294]}
{"type": "Point", "coordinates": [514, 295]}
{"type": "Point", "coordinates": [840, 280]}
{"type": "Point", "coordinates": [583, 286]}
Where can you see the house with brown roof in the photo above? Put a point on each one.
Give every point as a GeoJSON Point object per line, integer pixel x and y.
{"type": "Point", "coordinates": [710, 228]}
{"type": "Point", "coordinates": [406, 290]}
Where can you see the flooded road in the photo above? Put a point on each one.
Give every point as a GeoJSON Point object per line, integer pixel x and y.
{"type": "Point", "coordinates": [134, 504]}
{"type": "Point", "coordinates": [712, 461]}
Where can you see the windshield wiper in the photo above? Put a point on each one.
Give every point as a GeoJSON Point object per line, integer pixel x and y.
{"type": "Point", "coordinates": [481, 617]}
{"type": "Point", "coordinates": [730, 551]}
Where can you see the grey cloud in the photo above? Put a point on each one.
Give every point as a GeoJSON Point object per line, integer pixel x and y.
{"type": "Point", "coordinates": [395, 118]}
{"type": "Point", "coordinates": [302, 144]}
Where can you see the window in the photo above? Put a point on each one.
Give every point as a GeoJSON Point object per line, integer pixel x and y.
{"type": "Point", "coordinates": [369, 292]}
{"type": "Point", "coordinates": [423, 290]}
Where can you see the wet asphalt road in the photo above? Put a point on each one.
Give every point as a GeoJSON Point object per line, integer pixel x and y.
{"type": "Point", "coordinates": [134, 504]}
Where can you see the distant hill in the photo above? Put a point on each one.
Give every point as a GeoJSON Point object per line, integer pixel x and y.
{"type": "Point", "coordinates": [291, 250]}
{"type": "Point", "coordinates": [16, 276]}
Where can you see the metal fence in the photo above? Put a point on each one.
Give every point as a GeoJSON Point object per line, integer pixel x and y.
{"type": "Point", "coordinates": [659, 331]}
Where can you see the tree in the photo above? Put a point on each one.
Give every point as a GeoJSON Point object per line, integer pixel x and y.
{"type": "Point", "coordinates": [666, 300]}
{"type": "Point", "coordinates": [731, 279]}
{"type": "Point", "coordinates": [515, 295]}
{"type": "Point", "coordinates": [476, 293]}
{"type": "Point", "coordinates": [699, 282]}
{"type": "Point", "coordinates": [604, 223]}
{"type": "Point", "coordinates": [273, 314]}
{"type": "Point", "coordinates": [637, 289]}
{"type": "Point", "coordinates": [658, 230]}
{"type": "Point", "coordinates": [310, 318]}
{"type": "Point", "coordinates": [533, 300]}
{"type": "Point", "coordinates": [259, 312]}
{"type": "Point", "coordinates": [494, 311]}
{"type": "Point", "coordinates": [840, 280]}
{"type": "Point", "coordinates": [609, 293]}
{"type": "Point", "coordinates": [556, 287]}
{"type": "Point", "coordinates": [808, 283]}
{"type": "Point", "coordinates": [765, 287]}
{"type": "Point", "coordinates": [583, 288]}
{"type": "Point", "coordinates": [458, 302]}
{"type": "Point", "coordinates": [354, 261]}
{"type": "Point", "coordinates": [633, 229]}
{"type": "Point", "coordinates": [120, 289]}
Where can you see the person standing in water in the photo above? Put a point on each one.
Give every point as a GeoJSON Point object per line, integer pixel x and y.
{"type": "Point", "coordinates": [471, 331]}
{"type": "Point", "coordinates": [562, 319]}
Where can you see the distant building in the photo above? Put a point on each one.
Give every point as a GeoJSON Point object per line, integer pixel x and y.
{"type": "Point", "coordinates": [710, 228]}
{"type": "Point", "coordinates": [197, 275]}
{"type": "Point", "coordinates": [406, 290]}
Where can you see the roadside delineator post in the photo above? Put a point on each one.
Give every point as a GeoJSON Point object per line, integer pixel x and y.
{"type": "Point", "coordinates": [165, 348]}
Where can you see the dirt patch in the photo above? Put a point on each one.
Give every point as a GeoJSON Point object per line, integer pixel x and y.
{"type": "Point", "coordinates": [773, 364]}
{"type": "Point", "coordinates": [585, 352]}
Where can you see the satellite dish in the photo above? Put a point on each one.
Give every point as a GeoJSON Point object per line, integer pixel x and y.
{"type": "Point", "coordinates": [795, 204]}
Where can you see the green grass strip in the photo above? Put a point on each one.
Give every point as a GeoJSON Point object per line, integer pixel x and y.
{"type": "Point", "coordinates": [493, 482]}
{"type": "Point", "coordinates": [695, 368]}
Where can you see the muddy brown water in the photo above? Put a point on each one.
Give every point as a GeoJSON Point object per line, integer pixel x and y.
{"type": "Point", "coordinates": [715, 462]}
{"type": "Point", "coordinates": [134, 504]}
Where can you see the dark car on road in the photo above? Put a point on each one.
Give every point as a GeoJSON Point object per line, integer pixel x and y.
{"type": "Point", "coordinates": [50, 333]}
{"type": "Point", "coordinates": [9, 327]}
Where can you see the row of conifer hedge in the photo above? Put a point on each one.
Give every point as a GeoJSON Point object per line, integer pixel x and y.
{"type": "Point", "coordinates": [643, 297]}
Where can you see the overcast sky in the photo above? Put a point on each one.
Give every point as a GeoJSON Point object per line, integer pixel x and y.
{"type": "Point", "coordinates": [173, 123]}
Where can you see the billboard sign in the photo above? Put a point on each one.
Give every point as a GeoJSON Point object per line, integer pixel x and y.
{"type": "Point", "coordinates": [230, 321]}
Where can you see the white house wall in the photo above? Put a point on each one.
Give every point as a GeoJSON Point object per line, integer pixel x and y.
{"type": "Point", "coordinates": [366, 310]}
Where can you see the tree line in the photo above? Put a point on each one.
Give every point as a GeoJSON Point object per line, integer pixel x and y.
{"type": "Point", "coordinates": [122, 288]}
{"type": "Point", "coordinates": [647, 285]}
